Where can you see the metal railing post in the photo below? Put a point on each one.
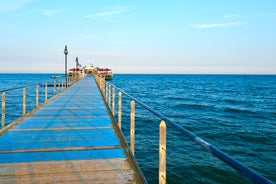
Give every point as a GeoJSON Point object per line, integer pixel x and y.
{"type": "Point", "coordinates": [132, 126]}
{"type": "Point", "coordinates": [3, 108]}
{"type": "Point", "coordinates": [120, 110]}
{"type": "Point", "coordinates": [68, 81]}
{"type": "Point", "coordinates": [113, 101]}
{"type": "Point", "coordinates": [108, 96]}
{"type": "Point", "coordinates": [24, 102]}
{"type": "Point", "coordinates": [102, 83]}
{"type": "Point", "coordinates": [99, 81]}
{"type": "Point", "coordinates": [106, 91]}
{"type": "Point", "coordinates": [58, 86]}
{"type": "Point", "coordinates": [54, 87]}
{"type": "Point", "coordinates": [162, 152]}
{"type": "Point", "coordinates": [36, 95]}
{"type": "Point", "coordinates": [62, 83]}
{"type": "Point", "coordinates": [46, 91]}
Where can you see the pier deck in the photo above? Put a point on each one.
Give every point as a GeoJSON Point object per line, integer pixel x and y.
{"type": "Point", "coordinates": [69, 140]}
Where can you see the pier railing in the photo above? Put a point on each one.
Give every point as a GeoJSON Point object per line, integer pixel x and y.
{"type": "Point", "coordinates": [20, 101]}
{"type": "Point", "coordinates": [113, 95]}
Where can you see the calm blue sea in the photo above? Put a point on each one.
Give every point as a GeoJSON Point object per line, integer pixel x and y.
{"type": "Point", "coordinates": [235, 113]}
{"type": "Point", "coordinates": [14, 97]}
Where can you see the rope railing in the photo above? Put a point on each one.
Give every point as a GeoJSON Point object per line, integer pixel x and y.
{"type": "Point", "coordinates": [58, 87]}
{"type": "Point", "coordinates": [105, 89]}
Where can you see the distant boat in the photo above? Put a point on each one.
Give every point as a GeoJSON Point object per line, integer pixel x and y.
{"type": "Point", "coordinates": [55, 76]}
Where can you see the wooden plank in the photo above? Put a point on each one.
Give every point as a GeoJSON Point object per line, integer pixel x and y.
{"type": "Point", "coordinates": [95, 165]}
{"type": "Point", "coordinates": [63, 122]}
{"type": "Point", "coordinates": [60, 149]}
{"type": "Point", "coordinates": [80, 171]}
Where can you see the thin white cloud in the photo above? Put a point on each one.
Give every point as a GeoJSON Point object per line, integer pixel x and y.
{"type": "Point", "coordinates": [231, 16]}
{"type": "Point", "coordinates": [227, 21]}
{"type": "Point", "coordinates": [108, 15]}
{"type": "Point", "coordinates": [217, 25]}
{"type": "Point", "coordinates": [6, 5]}
{"type": "Point", "coordinates": [49, 13]}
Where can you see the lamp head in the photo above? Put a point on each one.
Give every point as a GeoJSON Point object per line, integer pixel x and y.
{"type": "Point", "coordinates": [65, 50]}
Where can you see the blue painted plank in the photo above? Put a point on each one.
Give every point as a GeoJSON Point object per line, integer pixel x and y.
{"type": "Point", "coordinates": [58, 144]}
{"type": "Point", "coordinates": [58, 139]}
{"type": "Point", "coordinates": [68, 112]}
{"type": "Point", "coordinates": [35, 122]}
{"type": "Point", "coordinates": [61, 155]}
{"type": "Point", "coordinates": [58, 135]}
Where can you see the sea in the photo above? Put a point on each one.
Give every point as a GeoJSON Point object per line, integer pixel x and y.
{"type": "Point", "coordinates": [234, 113]}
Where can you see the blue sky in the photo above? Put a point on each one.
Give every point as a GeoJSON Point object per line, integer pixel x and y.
{"type": "Point", "coordinates": [139, 36]}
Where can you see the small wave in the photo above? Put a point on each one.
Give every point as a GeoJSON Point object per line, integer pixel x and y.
{"type": "Point", "coordinates": [239, 110]}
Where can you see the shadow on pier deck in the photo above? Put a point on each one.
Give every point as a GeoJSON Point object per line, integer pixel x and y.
{"type": "Point", "coordinates": [72, 139]}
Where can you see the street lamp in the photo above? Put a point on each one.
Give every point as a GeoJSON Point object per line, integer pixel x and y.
{"type": "Point", "coordinates": [66, 53]}
{"type": "Point", "coordinates": [77, 62]}
{"type": "Point", "coordinates": [77, 66]}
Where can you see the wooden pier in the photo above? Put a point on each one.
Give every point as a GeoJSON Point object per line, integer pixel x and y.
{"type": "Point", "coordinates": [71, 139]}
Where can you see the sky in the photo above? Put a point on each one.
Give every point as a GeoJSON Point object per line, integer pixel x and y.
{"type": "Point", "coordinates": [139, 36]}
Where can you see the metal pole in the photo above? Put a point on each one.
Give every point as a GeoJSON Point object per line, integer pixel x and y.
{"type": "Point", "coordinates": [65, 53]}
{"type": "Point", "coordinates": [108, 95]}
{"type": "Point", "coordinates": [3, 108]}
{"type": "Point", "coordinates": [106, 91]}
{"type": "Point", "coordinates": [46, 91]}
{"type": "Point", "coordinates": [54, 87]}
{"type": "Point", "coordinates": [66, 71]}
{"type": "Point", "coordinates": [162, 152]}
{"type": "Point", "coordinates": [24, 102]}
{"type": "Point", "coordinates": [58, 86]}
{"type": "Point", "coordinates": [36, 95]}
{"type": "Point", "coordinates": [113, 101]}
{"type": "Point", "coordinates": [62, 84]}
{"type": "Point", "coordinates": [132, 126]}
{"type": "Point", "coordinates": [120, 110]}
{"type": "Point", "coordinates": [77, 66]}
{"type": "Point", "coordinates": [102, 84]}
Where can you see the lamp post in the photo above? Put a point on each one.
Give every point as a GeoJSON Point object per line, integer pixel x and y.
{"type": "Point", "coordinates": [66, 53]}
{"type": "Point", "coordinates": [77, 66]}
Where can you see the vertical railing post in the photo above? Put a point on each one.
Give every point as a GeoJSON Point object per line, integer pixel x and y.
{"type": "Point", "coordinates": [132, 126]}
{"type": "Point", "coordinates": [106, 91]}
{"type": "Point", "coordinates": [54, 87]}
{"type": "Point", "coordinates": [24, 102]}
{"type": "Point", "coordinates": [3, 108]}
{"type": "Point", "coordinates": [103, 83]}
{"type": "Point", "coordinates": [103, 88]}
{"type": "Point", "coordinates": [113, 101]}
{"type": "Point", "coordinates": [108, 96]}
{"type": "Point", "coordinates": [162, 152]}
{"type": "Point", "coordinates": [46, 91]}
{"type": "Point", "coordinates": [62, 87]}
{"type": "Point", "coordinates": [36, 95]}
{"type": "Point", "coordinates": [68, 81]}
{"type": "Point", "coordinates": [58, 86]}
{"type": "Point", "coordinates": [120, 109]}
{"type": "Point", "coordinates": [99, 80]}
